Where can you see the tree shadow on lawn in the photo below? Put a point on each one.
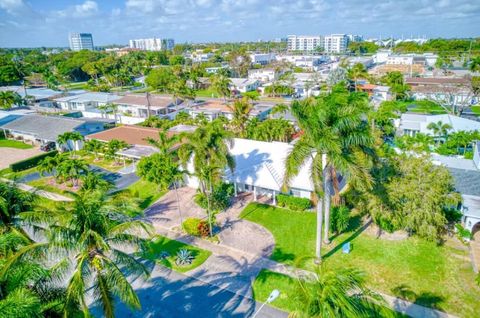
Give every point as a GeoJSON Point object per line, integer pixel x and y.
{"type": "Point", "coordinates": [426, 299]}
{"type": "Point", "coordinates": [280, 256]}
{"type": "Point", "coordinates": [355, 226]}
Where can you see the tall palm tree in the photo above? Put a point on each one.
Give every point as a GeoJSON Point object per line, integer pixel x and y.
{"type": "Point", "coordinates": [72, 169]}
{"type": "Point", "coordinates": [207, 148]}
{"type": "Point", "coordinates": [13, 201]}
{"type": "Point", "coordinates": [357, 71]}
{"type": "Point", "coordinates": [335, 140]}
{"type": "Point", "coordinates": [97, 232]}
{"type": "Point", "coordinates": [165, 142]}
{"type": "Point", "coordinates": [439, 129]}
{"type": "Point", "coordinates": [241, 109]}
{"type": "Point", "coordinates": [221, 85]}
{"type": "Point", "coordinates": [337, 293]}
{"type": "Point", "coordinates": [94, 146]}
{"type": "Point", "coordinates": [72, 136]}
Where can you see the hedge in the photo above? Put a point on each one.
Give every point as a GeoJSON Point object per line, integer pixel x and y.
{"type": "Point", "coordinates": [31, 162]}
{"type": "Point", "coordinates": [293, 203]}
{"type": "Point", "coordinates": [191, 225]}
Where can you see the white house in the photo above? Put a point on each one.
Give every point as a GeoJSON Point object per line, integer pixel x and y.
{"type": "Point", "coordinates": [244, 85]}
{"type": "Point", "coordinates": [262, 58]}
{"type": "Point", "coordinates": [215, 108]}
{"type": "Point", "coordinates": [260, 169]}
{"type": "Point", "coordinates": [86, 101]}
{"type": "Point", "coordinates": [264, 75]}
{"type": "Point", "coordinates": [411, 124]}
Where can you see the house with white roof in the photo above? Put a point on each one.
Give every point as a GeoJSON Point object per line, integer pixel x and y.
{"type": "Point", "coordinates": [411, 124]}
{"type": "Point", "coordinates": [86, 102]}
{"type": "Point", "coordinates": [243, 85]}
{"type": "Point", "coordinates": [264, 75]}
{"type": "Point", "coordinates": [40, 96]}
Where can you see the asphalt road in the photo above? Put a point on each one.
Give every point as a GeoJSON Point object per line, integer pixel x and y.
{"type": "Point", "coordinates": [169, 294]}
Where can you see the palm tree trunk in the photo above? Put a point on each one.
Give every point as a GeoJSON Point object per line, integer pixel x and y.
{"type": "Point", "coordinates": [327, 199]}
{"type": "Point", "coordinates": [209, 211]}
{"type": "Point", "coordinates": [178, 203]}
{"type": "Point", "coordinates": [318, 245]}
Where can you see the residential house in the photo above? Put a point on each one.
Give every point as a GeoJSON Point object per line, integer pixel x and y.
{"type": "Point", "coordinates": [411, 124]}
{"type": "Point", "coordinates": [140, 106]}
{"type": "Point", "coordinates": [243, 85]}
{"type": "Point", "coordinates": [215, 108]}
{"type": "Point", "coordinates": [87, 102]}
{"type": "Point", "coordinates": [40, 96]}
{"type": "Point", "coordinates": [262, 58]}
{"type": "Point", "coordinates": [39, 129]}
{"type": "Point", "coordinates": [264, 75]}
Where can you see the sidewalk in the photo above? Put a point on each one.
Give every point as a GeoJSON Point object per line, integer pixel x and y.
{"type": "Point", "coordinates": [49, 195]}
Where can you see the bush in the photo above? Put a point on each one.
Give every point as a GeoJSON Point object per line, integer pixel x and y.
{"type": "Point", "coordinates": [463, 233]}
{"type": "Point", "coordinates": [340, 217]}
{"type": "Point", "coordinates": [190, 226]}
{"type": "Point", "coordinates": [293, 203]}
{"type": "Point", "coordinates": [31, 162]}
{"type": "Point", "coordinates": [219, 199]}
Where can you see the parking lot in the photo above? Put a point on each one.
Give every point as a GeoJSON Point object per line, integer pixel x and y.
{"type": "Point", "coordinates": [11, 155]}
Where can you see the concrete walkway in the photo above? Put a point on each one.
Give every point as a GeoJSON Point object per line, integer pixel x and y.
{"type": "Point", "coordinates": [243, 251]}
{"type": "Point", "coordinates": [49, 195]}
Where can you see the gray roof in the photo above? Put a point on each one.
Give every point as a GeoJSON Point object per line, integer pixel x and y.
{"type": "Point", "coordinates": [466, 181]}
{"type": "Point", "coordinates": [43, 127]}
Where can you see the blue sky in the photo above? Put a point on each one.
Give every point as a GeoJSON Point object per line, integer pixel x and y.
{"type": "Point", "coordinates": [34, 23]}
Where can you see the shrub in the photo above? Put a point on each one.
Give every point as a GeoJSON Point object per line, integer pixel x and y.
{"type": "Point", "coordinates": [31, 162]}
{"type": "Point", "coordinates": [463, 233]}
{"type": "Point", "coordinates": [184, 257]}
{"type": "Point", "coordinates": [203, 229]}
{"type": "Point", "coordinates": [219, 199]}
{"type": "Point", "coordinates": [190, 226]}
{"type": "Point", "coordinates": [293, 203]}
{"type": "Point", "coordinates": [340, 217]}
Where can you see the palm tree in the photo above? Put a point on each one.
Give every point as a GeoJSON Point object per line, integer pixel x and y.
{"type": "Point", "coordinates": [93, 181]}
{"type": "Point", "coordinates": [280, 109]}
{"type": "Point", "coordinates": [337, 293]}
{"type": "Point", "coordinates": [72, 169]}
{"type": "Point", "coordinates": [10, 98]}
{"type": "Point", "coordinates": [165, 142]}
{"type": "Point", "coordinates": [207, 148]}
{"type": "Point", "coordinates": [73, 136]}
{"type": "Point", "coordinates": [96, 231]}
{"type": "Point", "coordinates": [439, 129]}
{"type": "Point", "coordinates": [335, 139]}
{"type": "Point", "coordinates": [113, 146]}
{"type": "Point", "coordinates": [356, 72]}
{"type": "Point", "coordinates": [240, 109]}
{"type": "Point", "coordinates": [13, 202]}
{"type": "Point", "coordinates": [221, 85]}
{"type": "Point", "coordinates": [95, 146]}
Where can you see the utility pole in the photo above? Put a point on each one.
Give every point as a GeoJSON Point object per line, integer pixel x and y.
{"type": "Point", "coordinates": [148, 105]}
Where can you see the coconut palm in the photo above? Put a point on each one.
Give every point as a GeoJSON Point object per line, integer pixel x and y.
{"type": "Point", "coordinates": [439, 129]}
{"type": "Point", "coordinates": [241, 109]}
{"type": "Point", "coordinates": [72, 169]}
{"type": "Point", "coordinates": [94, 233]}
{"type": "Point", "coordinates": [10, 98]}
{"type": "Point", "coordinates": [94, 146]}
{"type": "Point", "coordinates": [73, 136]}
{"type": "Point", "coordinates": [93, 181]}
{"type": "Point", "coordinates": [165, 142]}
{"type": "Point", "coordinates": [207, 149]}
{"type": "Point", "coordinates": [357, 71]}
{"type": "Point", "coordinates": [335, 140]}
{"type": "Point", "coordinates": [221, 85]}
{"type": "Point", "coordinates": [337, 293]}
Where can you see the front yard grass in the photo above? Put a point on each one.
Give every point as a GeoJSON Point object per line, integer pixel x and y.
{"type": "Point", "coordinates": [439, 276]}
{"type": "Point", "coordinates": [147, 192]}
{"type": "Point", "coordinates": [48, 184]}
{"type": "Point", "coordinates": [14, 144]}
{"type": "Point", "coordinates": [9, 174]}
{"type": "Point", "coordinates": [161, 244]}
{"type": "Point", "coordinates": [102, 162]}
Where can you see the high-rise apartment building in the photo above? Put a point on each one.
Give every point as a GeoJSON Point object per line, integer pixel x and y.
{"type": "Point", "coordinates": [80, 41]}
{"type": "Point", "coordinates": [335, 43]}
{"type": "Point", "coordinates": [304, 42]}
{"type": "Point", "coordinates": [152, 44]}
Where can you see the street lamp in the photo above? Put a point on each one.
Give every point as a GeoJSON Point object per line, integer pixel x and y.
{"type": "Point", "coordinates": [273, 295]}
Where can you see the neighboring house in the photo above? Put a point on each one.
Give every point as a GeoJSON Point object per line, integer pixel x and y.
{"type": "Point", "coordinates": [365, 61]}
{"type": "Point", "coordinates": [39, 96]}
{"type": "Point", "coordinates": [215, 108]}
{"type": "Point", "coordinates": [308, 62]}
{"type": "Point", "coordinates": [466, 175]}
{"type": "Point", "coordinates": [86, 102]}
{"type": "Point", "coordinates": [377, 93]}
{"type": "Point", "coordinates": [263, 75]}
{"type": "Point", "coordinates": [41, 129]}
{"type": "Point", "coordinates": [262, 58]}
{"type": "Point", "coordinates": [411, 124]}
{"type": "Point", "coordinates": [260, 169]}
{"type": "Point", "coordinates": [138, 105]}
{"type": "Point", "coordinates": [243, 85]}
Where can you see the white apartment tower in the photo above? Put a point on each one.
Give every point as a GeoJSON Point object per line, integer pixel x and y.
{"type": "Point", "coordinates": [336, 43]}
{"type": "Point", "coordinates": [304, 42]}
{"type": "Point", "coordinates": [152, 44]}
{"type": "Point", "coordinates": [80, 41]}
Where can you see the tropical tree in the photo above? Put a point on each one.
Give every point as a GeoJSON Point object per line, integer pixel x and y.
{"type": "Point", "coordinates": [337, 293]}
{"type": "Point", "coordinates": [335, 139]}
{"type": "Point", "coordinates": [207, 148]}
{"type": "Point", "coordinates": [72, 169]}
{"type": "Point", "coordinates": [93, 181]}
{"type": "Point", "coordinates": [280, 109]}
{"type": "Point", "coordinates": [94, 233]}
{"type": "Point", "coordinates": [336, 76]}
{"type": "Point", "coordinates": [73, 136]}
{"type": "Point", "coordinates": [439, 129]}
{"type": "Point", "coordinates": [241, 109]}
{"type": "Point", "coordinates": [13, 201]}
{"type": "Point", "coordinates": [221, 85]}
{"type": "Point", "coordinates": [113, 146]}
{"type": "Point", "coordinates": [397, 85]}
{"type": "Point", "coordinates": [357, 71]}
{"type": "Point", "coordinates": [94, 146]}
{"type": "Point", "coordinates": [10, 98]}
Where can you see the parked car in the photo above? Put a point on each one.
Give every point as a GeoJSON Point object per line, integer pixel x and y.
{"type": "Point", "coordinates": [49, 146]}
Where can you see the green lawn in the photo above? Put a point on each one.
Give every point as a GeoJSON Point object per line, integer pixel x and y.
{"type": "Point", "coordinates": [162, 244]}
{"type": "Point", "coordinates": [9, 174]}
{"type": "Point", "coordinates": [46, 185]}
{"type": "Point", "coordinates": [476, 110]}
{"type": "Point", "coordinates": [14, 144]}
{"type": "Point", "coordinates": [424, 107]}
{"type": "Point", "coordinates": [108, 164]}
{"type": "Point", "coordinates": [439, 276]}
{"type": "Point", "coordinates": [206, 93]}
{"type": "Point", "coordinates": [267, 281]}
{"type": "Point", "coordinates": [146, 191]}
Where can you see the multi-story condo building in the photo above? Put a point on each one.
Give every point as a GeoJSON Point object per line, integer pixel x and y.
{"type": "Point", "coordinates": [304, 42]}
{"type": "Point", "coordinates": [152, 44]}
{"type": "Point", "coordinates": [80, 41]}
{"type": "Point", "coordinates": [354, 38]}
{"type": "Point", "coordinates": [335, 43]}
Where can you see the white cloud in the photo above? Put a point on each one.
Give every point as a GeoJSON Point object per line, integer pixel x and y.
{"type": "Point", "coordinates": [12, 6]}
{"type": "Point", "coordinates": [87, 8]}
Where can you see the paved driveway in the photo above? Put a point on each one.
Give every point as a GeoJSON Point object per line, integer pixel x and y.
{"type": "Point", "coordinates": [11, 155]}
